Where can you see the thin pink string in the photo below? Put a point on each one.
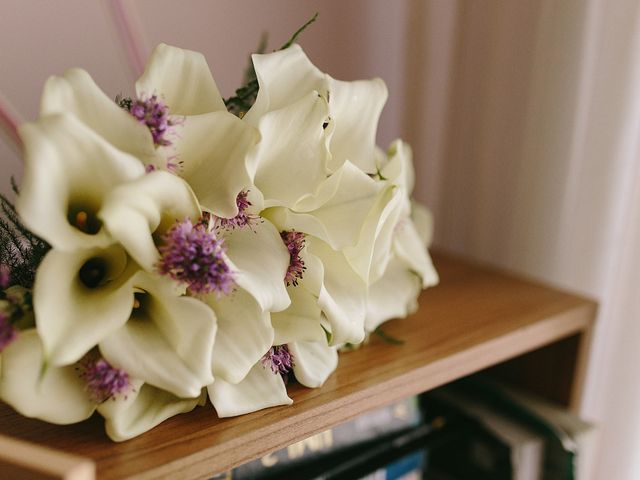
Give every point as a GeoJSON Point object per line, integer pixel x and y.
{"type": "Point", "coordinates": [129, 36]}
{"type": "Point", "coordinates": [9, 124]}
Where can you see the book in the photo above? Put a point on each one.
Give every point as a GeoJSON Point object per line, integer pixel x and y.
{"type": "Point", "coordinates": [490, 446]}
{"type": "Point", "coordinates": [368, 427]}
{"type": "Point", "coordinates": [569, 440]}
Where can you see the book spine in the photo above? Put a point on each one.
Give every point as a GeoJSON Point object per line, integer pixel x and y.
{"type": "Point", "coordinates": [370, 426]}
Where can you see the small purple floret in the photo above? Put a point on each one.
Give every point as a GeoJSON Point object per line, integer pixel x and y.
{"type": "Point", "coordinates": [295, 243]}
{"type": "Point", "coordinates": [152, 112]}
{"type": "Point", "coordinates": [8, 333]}
{"type": "Point", "coordinates": [278, 359]}
{"type": "Point", "coordinates": [243, 218]}
{"type": "Point", "coordinates": [102, 380]}
{"type": "Point", "coordinates": [193, 255]}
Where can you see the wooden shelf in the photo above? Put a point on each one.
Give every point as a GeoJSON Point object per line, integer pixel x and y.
{"type": "Point", "coordinates": [476, 318]}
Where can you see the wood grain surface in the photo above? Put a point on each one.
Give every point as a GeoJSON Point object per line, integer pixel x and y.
{"type": "Point", "coordinates": [476, 318]}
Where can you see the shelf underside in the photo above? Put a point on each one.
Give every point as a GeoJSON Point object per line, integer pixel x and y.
{"type": "Point", "coordinates": [474, 319]}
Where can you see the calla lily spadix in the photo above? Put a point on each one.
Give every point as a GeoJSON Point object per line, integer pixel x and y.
{"type": "Point", "coordinates": [69, 170]}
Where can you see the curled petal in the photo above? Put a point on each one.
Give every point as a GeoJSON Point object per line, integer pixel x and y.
{"type": "Point", "coordinates": [412, 253]}
{"type": "Point", "coordinates": [213, 150]}
{"type": "Point", "coordinates": [260, 388]}
{"type": "Point", "coordinates": [301, 321]}
{"type": "Point", "coordinates": [343, 294]}
{"type": "Point", "coordinates": [69, 170]}
{"type": "Point", "coordinates": [53, 394]}
{"type": "Point", "coordinates": [423, 220]}
{"type": "Point", "coordinates": [141, 410]}
{"type": "Point", "coordinates": [260, 260]}
{"type": "Point", "coordinates": [313, 362]}
{"type": "Point", "coordinates": [244, 335]}
{"type": "Point", "coordinates": [79, 298]}
{"type": "Point", "coordinates": [77, 93]}
{"type": "Point", "coordinates": [183, 79]}
{"type": "Point", "coordinates": [168, 340]}
{"type": "Point", "coordinates": [134, 212]}
{"type": "Point", "coordinates": [293, 145]}
{"type": "Point", "coordinates": [392, 296]}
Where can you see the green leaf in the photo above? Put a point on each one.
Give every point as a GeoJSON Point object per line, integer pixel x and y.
{"type": "Point", "coordinates": [388, 338]}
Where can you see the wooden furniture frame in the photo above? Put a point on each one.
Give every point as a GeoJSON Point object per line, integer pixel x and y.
{"type": "Point", "coordinates": [477, 318]}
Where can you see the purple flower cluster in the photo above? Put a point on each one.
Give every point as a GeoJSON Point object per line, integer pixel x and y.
{"type": "Point", "coordinates": [153, 113]}
{"type": "Point", "coordinates": [243, 218]}
{"type": "Point", "coordinates": [193, 255]}
{"type": "Point", "coordinates": [8, 332]}
{"type": "Point", "coordinates": [278, 359]}
{"type": "Point", "coordinates": [102, 380]}
{"type": "Point", "coordinates": [295, 243]}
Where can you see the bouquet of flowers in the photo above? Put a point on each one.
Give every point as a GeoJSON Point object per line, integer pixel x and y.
{"type": "Point", "coordinates": [173, 246]}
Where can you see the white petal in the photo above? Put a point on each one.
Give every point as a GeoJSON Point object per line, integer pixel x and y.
{"type": "Point", "coordinates": [213, 150]}
{"type": "Point", "coordinates": [369, 257]}
{"type": "Point", "coordinates": [355, 108]}
{"type": "Point", "coordinates": [72, 317]}
{"type": "Point", "coordinates": [133, 212]}
{"type": "Point", "coordinates": [261, 388]}
{"type": "Point", "coordinates": [167, 342]}
{"type": "Point", "coordinates": [413, 254]}
{"type": "Point", "coordinates": [393, 296]}
{"type": "Point", "coordinates": [337, 211]}
{"type": "Point", "coordinates": [77, 93]}
{"type": "Point", "coordinates": [183, 79]}
{"type": "Point", "coordinates": [260, 259]}
{"type": "Point", "coordinates": [284, 77]}
{"type": "Point", "coordinates": [301, 321]}
{"type": "Point", "coordinates": [68, 169]}
{"type": "Point", "coordinates": [293, 146]}
{"type": "Point", "coordinates": [399, 167]}
{"type": "Point", "coordinates": [313, 362]}
{"type": "Point", "coordinates": [423, 220]}
{"type": "Point", "coordinates": [244, 335]}
{"type": "Point", "coordinates": [142, 410]}
{"type": "Point", "coordinates": [343, 294]}
{"type": "Point", "coordinates": [53, 394]}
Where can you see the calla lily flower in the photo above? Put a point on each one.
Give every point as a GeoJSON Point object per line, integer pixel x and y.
{"type": "Point", "coordinates": [263, 387]}
{"type": "Point", "coordinates": [69, 170]}
{"type": "Point", "coordinates": [287, 76]}
{"type": "Point", "coordinates": [140, 211]}
{"type": "Point", "coordinates": [409, 268]}
{"type": "Point", "coordinates": [142, 409]}
{"type": "Point", "coordinates": [167, 340]}
{"type": "Point", "coordinates": [54, 394]}
{"type": "Point", "coordinates": [62, 395]}
{"type": "Point", "coordinates": [211, 144]}
{"type": "Point", "coordinates": [76, 93]}
{"type": "Point", "coordinates": [81, 297]}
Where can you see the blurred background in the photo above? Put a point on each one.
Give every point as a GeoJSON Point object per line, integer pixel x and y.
{"type": "Point", "coordinates": [524, 117]}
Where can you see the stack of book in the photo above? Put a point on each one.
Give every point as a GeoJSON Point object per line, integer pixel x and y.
{"type": "Point", "coordinates": [473, 429]}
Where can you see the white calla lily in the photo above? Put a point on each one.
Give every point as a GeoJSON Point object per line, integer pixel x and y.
{"type": "Point", "coordinates": [244, 335]}
{"type": "Point", "coordinates": [137, 212]}
{"type": "Point", "coordinates": [313, 362]}
{"type": "Point", "coordinates": [211, 145]}
{"type": "Point", "coordinates": [293, 145]}
{"type": "Point", "coordinates": [260, 388]}
{"type": "Point", "coordinates": [69, 170]}
{"type": "Point", "coordinates": [35, 389]}
{"type": "Point", "coordinates": [302, 321]}
{"type": "Point", "coordinates": [288, 75]}
{"type": "Point", "coordinates": [142, 409]}
{"type": "Point", "coordinates": [76, 93]}
{"type": "Point", "coordinates": [167, 341]}
{"type": "Point", "coordinates": [260, 260]}
{"type": "Point", "coordinates": [81, 297]}
{"type": "Point", "coordinates": [183, 79]}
